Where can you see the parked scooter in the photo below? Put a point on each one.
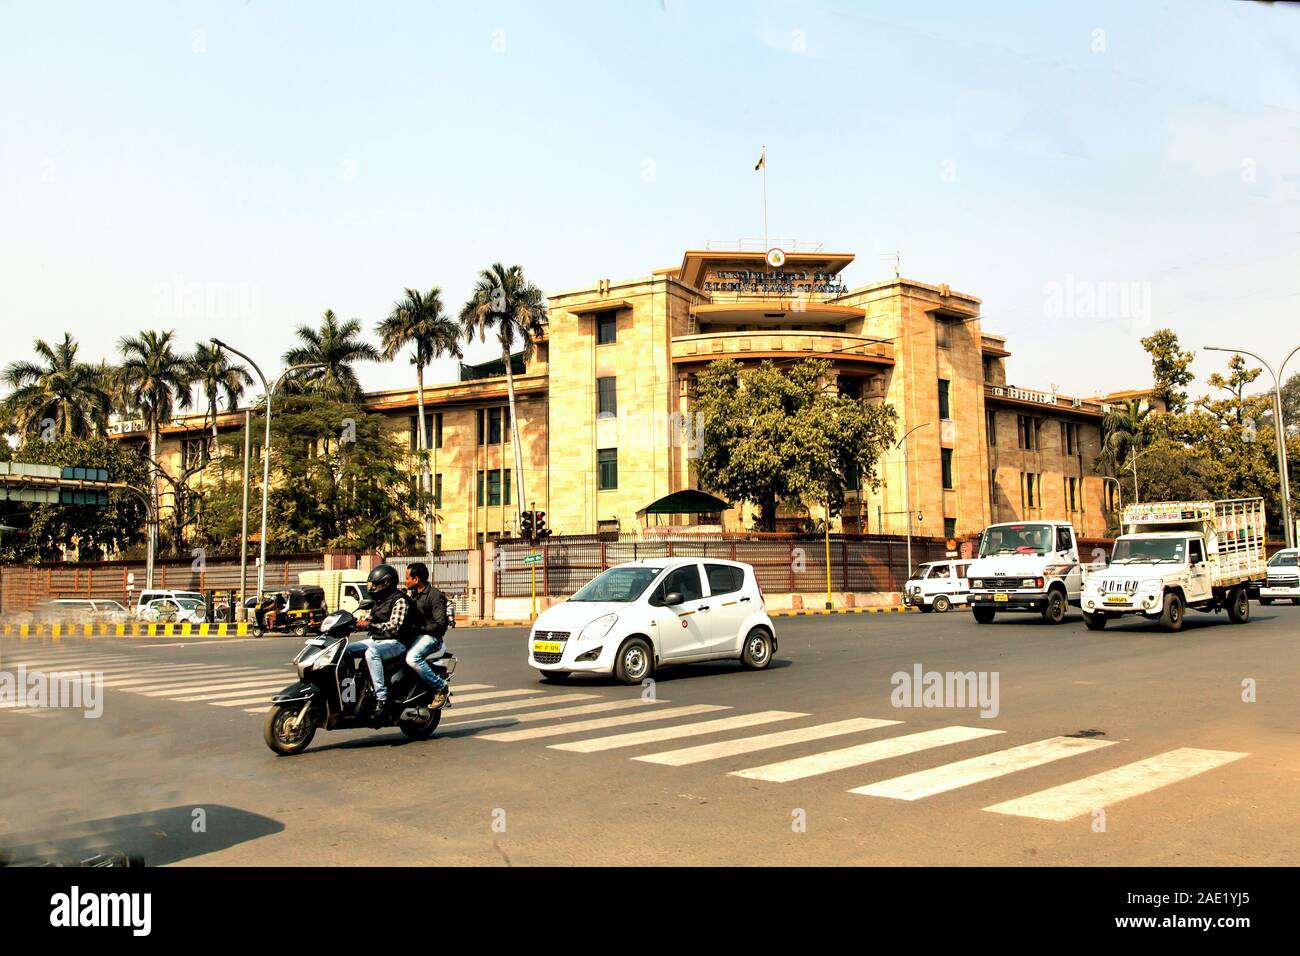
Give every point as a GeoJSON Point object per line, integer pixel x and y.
{"type": "Point", "coordinates": [334, 692]}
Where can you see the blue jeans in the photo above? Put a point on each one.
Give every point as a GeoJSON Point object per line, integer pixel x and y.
{"type": "Point", "coordinates": [415, 659]}
{"type": "Point", "coordinates": [376, 653]}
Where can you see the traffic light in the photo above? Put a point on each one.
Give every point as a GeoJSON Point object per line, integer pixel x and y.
{"type": "Point", "coordinates": [539, 525]}
{"type": "Point", "coordinates": [526, 526]}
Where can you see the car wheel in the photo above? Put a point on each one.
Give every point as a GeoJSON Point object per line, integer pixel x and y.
{"type": "Point", "coordinates": [634, 662]}
{"type": "Point", "coordinates": [983, 615]}
{"type": "Point", "coordinates": [1296, 601]}
{"type": "Point", "coordinates": [1095, 622]}
{"type": "Point", "coordinates": [924, 608]}
{"type": "Point", "coordinates": [555, 677]}
{"type": "Point", "coordinates": [942, 605]}
{"type": "Point", "coordinates": [1054, 612]}
{"type": "Point", "coordinates": [1171, 615]}
{"type": "Point", "coordinates": [1239, 605]}
{"type": "Point", "coordinates": [756, 653]}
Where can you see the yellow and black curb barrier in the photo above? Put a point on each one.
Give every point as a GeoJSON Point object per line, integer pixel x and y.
{"type": "Point", "coordinates": [802, 612]}
{"type": "Point", "coordinates": [125, 630]}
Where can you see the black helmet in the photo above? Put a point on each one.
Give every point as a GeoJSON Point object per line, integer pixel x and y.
{"type": "Point", "coordinates": [381, 578]}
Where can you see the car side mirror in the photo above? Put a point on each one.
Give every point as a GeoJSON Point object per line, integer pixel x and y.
{"type": "Point", "coordinates": [673, 598]}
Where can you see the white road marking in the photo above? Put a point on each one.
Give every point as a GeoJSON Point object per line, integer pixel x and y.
{"type": "Point", "coordinates": [636, 737]}
{"type": "Point", "coordinates": [492, 694]}
{"type": "Point", "coordinates": [602, 722]}
{"type": "Point", "coordinates": [1082, 796]}
{"type": "Point", "coordinates": [832, 760]}
{"type": "Point", "coordinates": [270, 687]}
{"type": "Point", "coordinates": [193, 688]}
{"type": "Point", "coordinates": [731, 748]}
{"type": "Point", "coordinates": [245, 701]}
{"type": "Point", "coordinates": [963, 773]}
{"type": "Point", "coordinates": [578, 711]}
{"type": "Point", "coordinates": [520, 704]}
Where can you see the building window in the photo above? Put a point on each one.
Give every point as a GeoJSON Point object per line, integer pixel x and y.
{"type": "Point", "coordinates": [942, 332]}
{"type": "Point", "coordinates": [850, 387]}
{"type": "Point", "coordinates": [432, 431]}
{"type": "Point", "coordinates": [437, 491]}
{"type": "Point", "coordinates": [991, 425]}
{"type": "Point", "coordinates": [193, 450]}
{"type": "Point", "coordinates": [607, 477]}
{"type": "Point", "coordinates": [946, 458]}
{"type": "Point", "coordinates": [1070, 438]}
{"type": "Point", "coordinates": [1072, 494]}
{"type": "Point", "coordinates": [950, 527]}
{"type": "Point", "coordinates": [437, 430]}
{"type": "Point", "coordinates": [945, 411]}
{"type": "Point", "coordinates": [496, 482]}
{"type": "Point", "coordinates": [1027, 427]}
{"type": "Point", "coordinates": [606, 328]}
{"type": "Point", "coordinates": [498, 425]}
{"type": "Point", "coordinates": [1031, 487]}
{"type": "Point", "coordinates": [607, 400]}
{"type": "Point", "coordinates": [990, 366]}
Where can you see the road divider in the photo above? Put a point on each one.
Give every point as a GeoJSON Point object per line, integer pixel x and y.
{"type": "Point", "coordinates": [124, 630]}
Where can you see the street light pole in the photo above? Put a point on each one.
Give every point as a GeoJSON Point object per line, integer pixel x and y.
{"type": "Point", "coordinates": [1279, 430]}
{"type": "Point", "coordinates": [907, 489]}
{"type": "Point", "coordinates": [242, 614]}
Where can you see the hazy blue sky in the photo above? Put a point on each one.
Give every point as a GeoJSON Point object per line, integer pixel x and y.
{"type": "Point", "coordinates": [282, 158]}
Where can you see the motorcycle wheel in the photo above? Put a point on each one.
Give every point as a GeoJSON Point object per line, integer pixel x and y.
{"type": "Point", "coordinates": [280, 737]}
{"type": "Point", "coordinates": [417, 730]}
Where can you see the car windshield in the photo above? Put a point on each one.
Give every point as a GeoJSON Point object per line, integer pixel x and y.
{"type": "Point", "coordinates": [1016, 539]}
{"type": "Point", "coordinates": [1285, 559]}
{"type": "Point", "coordinates": [620, 585]}
{"type": "Point", "coordinates": [189, 604]}
{"type": "Point", "coordinates": [1149, 551]}
{"type": "Point", "coordinates": [920, 573]}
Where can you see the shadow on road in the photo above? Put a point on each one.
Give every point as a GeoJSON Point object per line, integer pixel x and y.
{"type": "Point", "coordinates": [153, 838]}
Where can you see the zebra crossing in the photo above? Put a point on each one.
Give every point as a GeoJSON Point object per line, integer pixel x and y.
{"type": "Point", "coordinates": [647, 729]}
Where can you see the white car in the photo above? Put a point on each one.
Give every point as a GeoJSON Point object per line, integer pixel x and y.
{"type": "Point", "coordinates": [635, 617]}
{"type": "Point", "coordinates": [1283, 580]}
{"type": "Point", "coordinates": [937, 586]}
{"type": "Point", "coordinates": [174, 611]}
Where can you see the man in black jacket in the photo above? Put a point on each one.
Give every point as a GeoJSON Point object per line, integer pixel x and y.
{"type": "Point", "coordinates": [394, 623]}
{"type": "Point", "coordinates": [432, 605]}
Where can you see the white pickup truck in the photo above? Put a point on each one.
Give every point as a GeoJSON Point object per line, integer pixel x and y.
{"type": "Point", "coordinates": [1172, 555]}
{"type": "Point", "coordinates": [1026, 566]}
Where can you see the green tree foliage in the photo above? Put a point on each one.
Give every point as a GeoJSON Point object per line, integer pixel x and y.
{"type": "Point", "coordinates": [92, 531]}
{"type": "Point", "coordinates": [1170, 368]}
{"type": "Point", "coordinates": [57, 388]}
{"type": "Point", "coordinates": [776, 435]}
{"type": "Point", "coordinates": [337, 481]}
{"type": "Point", "coordinates": [337, 346]}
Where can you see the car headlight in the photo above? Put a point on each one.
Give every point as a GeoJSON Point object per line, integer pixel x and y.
{"type": "Point", "coordinates": [1031, 583]}
{"type": "Point", "coordinates": [1151, 584]}
{"type": "Point", "coordinates": [598, 628]}
{"type": "Point", "coordinates": [977, 583]}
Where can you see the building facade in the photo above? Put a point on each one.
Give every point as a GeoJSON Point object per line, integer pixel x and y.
{"type": "Point", "coordinates": [606, 424]}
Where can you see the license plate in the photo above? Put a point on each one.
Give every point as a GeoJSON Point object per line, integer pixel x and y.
{"type": "Point", "coordinates": [547, 647]}
{"type": "Point", "coordinates": [1000, 597]}
{"type": "Point", "coordinates": [1116, 599]}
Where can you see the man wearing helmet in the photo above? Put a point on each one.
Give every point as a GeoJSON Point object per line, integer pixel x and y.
{"type": "Point", "coordinates": [394, 624]}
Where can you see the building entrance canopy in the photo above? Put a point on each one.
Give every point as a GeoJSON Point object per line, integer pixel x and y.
{"type": "Point", "coordinates": [688, 502]}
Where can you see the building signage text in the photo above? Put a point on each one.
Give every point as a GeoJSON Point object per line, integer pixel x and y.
{"type": "Point", "coordinates": [774, 283]}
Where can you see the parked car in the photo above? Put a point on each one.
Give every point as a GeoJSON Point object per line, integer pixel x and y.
{"type": "Point", "coordinates": [78, 611]}
{"type": "Point", "coordinates": [1283, 577]}
{"type": "Point", "coordinates": [153, 594]}
{"type": "Point", "coordinates": [638, 616]}
{"type": "Point", "coordinates": [174, 611]}
{"type": "Point", "coordinates": [937, 586]}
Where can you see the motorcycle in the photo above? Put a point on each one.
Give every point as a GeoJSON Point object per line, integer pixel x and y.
{"type": "Point", "coordinates": [334, 692]}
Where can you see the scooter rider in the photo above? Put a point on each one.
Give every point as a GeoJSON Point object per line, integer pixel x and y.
{"type": "Point", "coordinates": [432, 605]}
{"type": "Point", "coordinates": [394, 621]}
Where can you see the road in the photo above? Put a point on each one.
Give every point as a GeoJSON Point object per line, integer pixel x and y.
{"type": "Point", "coordinates": [1128, 746]}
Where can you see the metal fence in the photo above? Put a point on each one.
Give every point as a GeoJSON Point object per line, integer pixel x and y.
{"type": "Point", "coordinates": [23, 586]}
{"type": "Point", "coordinates": [868, 563]}
{"type": "Point", "coordinates": [448, 572]}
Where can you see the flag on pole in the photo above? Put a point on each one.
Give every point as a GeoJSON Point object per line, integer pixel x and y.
{"type": "Point", "coordinates": [762, 160]}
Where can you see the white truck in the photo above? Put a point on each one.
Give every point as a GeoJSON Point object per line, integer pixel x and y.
{"type": "Point", "coordinates": [1172, 555]}
{"type": "Point", "coordinates": [344, 590]}
{"type": "Point", "coordinates": [1026, 566]}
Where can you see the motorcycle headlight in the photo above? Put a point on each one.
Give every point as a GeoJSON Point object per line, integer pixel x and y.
{"type": "Point", "coordinates": [598, 628]}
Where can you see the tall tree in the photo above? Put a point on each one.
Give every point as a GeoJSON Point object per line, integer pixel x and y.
{"type": "Point", "coordinates": [1236, 408]}
{"type": "Point", "coordinates": [418, 321]}
{"type": "Point", "coordinates": [153, 381]}
{"type": "Point", "coordinates": [337, 346]}
{"type": "Point", "coordinates": [216, 375]}
{"type": "Point", "coordinates": [774, 435]}
{"type": "Point", "coordinates": [56, 395]}
{"type": "Point", "coordinates": [505, 301]}
{"type": "Point", "coordinates": [1170, 368]}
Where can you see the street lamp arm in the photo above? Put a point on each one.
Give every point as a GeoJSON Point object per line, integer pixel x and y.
{"type": "Point", "coordinates": [899, 443]}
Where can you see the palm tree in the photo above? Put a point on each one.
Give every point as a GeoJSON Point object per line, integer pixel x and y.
{"type": "Point", "coordinates": [153, 381]}
{"type": "Point", "coordinates": [335, 345]}
{"type": "Point", "coordinates": [417, 320]}
{"type": "Point", "coordinates": [215, 374]}
{"type": "Point", "coordinates": [58, 388]}
{"type": "Point", "coordinates": [1124, 429]}
{"type": "Point", "coordinates": [506, 301]}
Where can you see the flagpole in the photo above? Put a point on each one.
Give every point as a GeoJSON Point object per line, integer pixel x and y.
{"type": "Point", "coordinates": [765, 245]}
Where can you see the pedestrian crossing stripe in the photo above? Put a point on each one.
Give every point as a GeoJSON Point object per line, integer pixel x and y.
{"type": "Point", "coordinates": [964, 773]}
{"type": "Point", "coordinates": [601, 723]}
{"type": "Point", "coordinates": [800, 767]}
{"type": "Point", "coordinates": [1078, 797]}
{"type": "Point", "coordinates": [581, 710]}
{"type": "Point", "coordinates": [732, 748]}
{"type": "Point", "coordinates": [635, 738]}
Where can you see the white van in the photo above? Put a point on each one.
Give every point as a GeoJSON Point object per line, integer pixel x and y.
{"type": "Point", "coordinates": [937, 586]}
{"type": "Point", "coordinates": [153, 594]}
{"type": "Point", "coordinates": [634, 617]}
{"type": "Point", "coordinates": [1283, 577]}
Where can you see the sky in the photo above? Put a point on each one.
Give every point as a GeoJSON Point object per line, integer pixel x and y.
{"type": "Point", "coordinates": [1091, 171]}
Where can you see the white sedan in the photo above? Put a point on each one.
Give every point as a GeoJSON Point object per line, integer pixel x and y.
{"type": "Point", "coordinates": [637, 616]}
{"type": "Point", "coordinates": [173, 610]}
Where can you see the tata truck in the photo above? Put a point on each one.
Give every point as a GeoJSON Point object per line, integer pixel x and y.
{"type": "Point", "coordinates": [1175, 555]}
{"type": "Point", "coordinates": [344, 590]}
{"type": "Point", "coordinates": [1027, 567]}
